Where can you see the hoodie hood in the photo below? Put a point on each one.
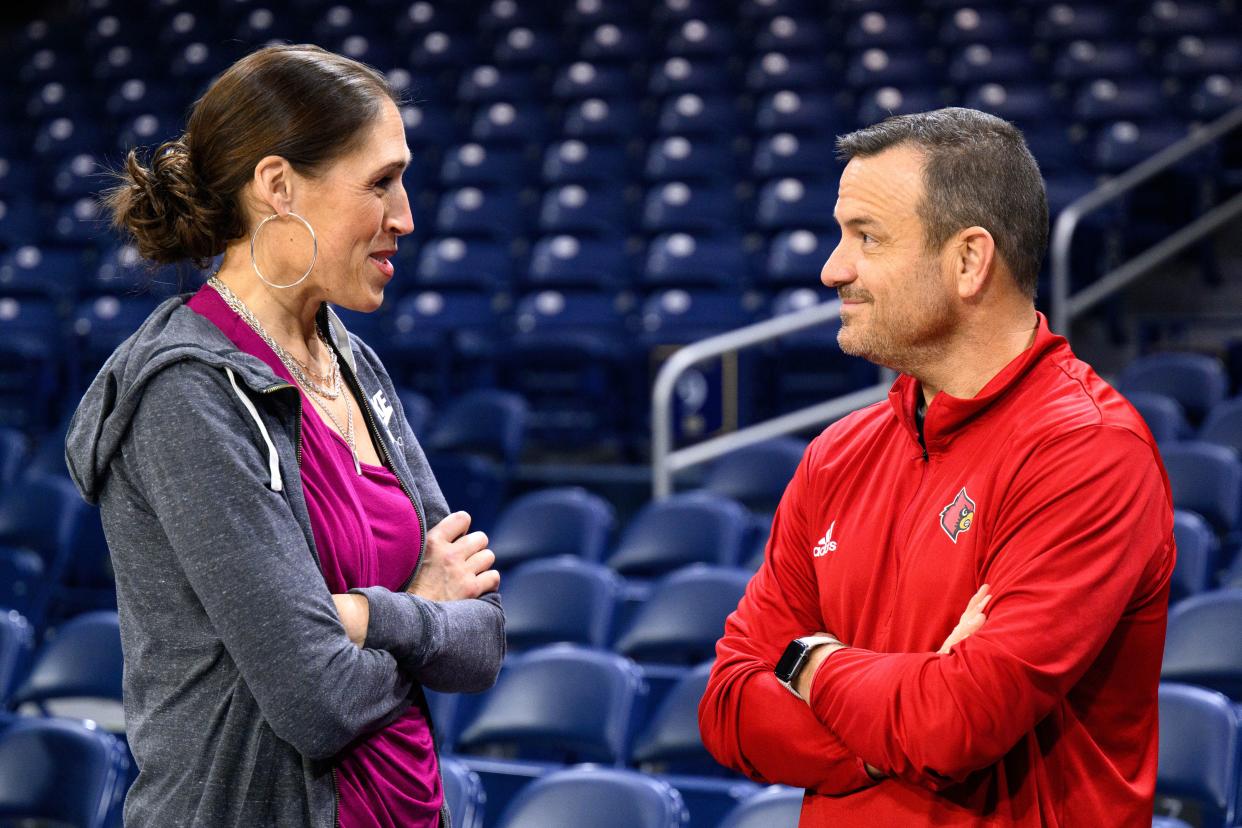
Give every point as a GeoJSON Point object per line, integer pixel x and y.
{"type": "Point", "coordinates": [172, 333]}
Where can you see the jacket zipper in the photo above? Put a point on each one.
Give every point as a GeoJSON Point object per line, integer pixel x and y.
{"type": "Point", "coordinates": [297, 431]}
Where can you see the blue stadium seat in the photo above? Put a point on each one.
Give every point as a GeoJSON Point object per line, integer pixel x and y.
{"type": "Point", "coordinates": [698, 37]}
{"type": "Point", "coordinates": [574, 208]}
{"type": "Point", "coordinates": [577, 162]}
{"type": "Point", "coordinates": [477, 165]}
{"type": "Point", "coordinates": [879, 104]}
{"type": "Point", "coordinates": [888, 67]}
{"type": "Point", "coordinates": [798, 256]}
{"type": "Point", "coordinates": [756, 476]}
{"type": "Point", "coordinates": [693, 527]}
{"type": "Point", "coordinates": [197, 62]}
{"type": "Point", "coordinates": [790, 34]}
{"type": "Point", "coordinates": [617, 121]}
{"type": "Point", "coordinates": [81, 224]}
{"type": "Point", "coordinates": [488, 84]}
{"type": "Point", "coordinates": [463, 792]}
{"type": "Point", "coordinates": [976, 24]}
{"type": "Point", "coordinates": [706, 207]}
{"type": "Point", "coordinates": [13, 452]}
{"type": "Point", "coordinates": [757, 11]}
{"type": "Point", "coordinates": [776, 70]}
{"type": "Point", "coordinates": [517, 123]}
{"type": "Point", "coordinates": [77, 674]}
{"type": "Point", "coordinates": [103, 323]}
{"type": "Point", "coordinates": [1196, 381]}
{"type": "Point", "coordinates": [16, 178]}
{"type": "Point", "coordinates": [585, 14]}
{"type": "Point", "coordinates": [471, 483]}
{"type": "Point", "coordinates": [452, 262]}
{"type": "Point", "coordinates": [558, 702]}
{"type": "Point", "coordinates": [614, 42]}
{"type": "Point", "coordinates": [567, 261]}
{"type": "Point", "coordinates": [1193, 57]}
{"type": "Point", "coordinates": [570, 358]}
{"type": "Point", "coordinates": [521, 46]}
{"type": "Point", "coordinates": [682, 158]}
{"type": "Point", "coordinates": [19, 217]}
{"type": "Point", "coordinates": [694, 114]}
{"type": "Point", "coordinates": [680, 76]}
{"type": "Point", "coordinates": [1185, 17]}
{"type": "Point", "coordinates": [883, 29]}
{"type": "Point", "coordinates": [1197, 548]}
{"type": "Point", "coordinates": [685, 260]}
{"type": "Point", "coordinates": [785, 155]}
{"type": "Point", "coordinates": [30, 350]}
{"type": "Point", "coordinates": [123, 273]}
{"type": "Point", "coordinates": [1168, 822]}
{"type": "Point", "coordinates": [1127, 99]}
{"type": "Point", "coordinates": [671, 13]}
{"type": "Point", "coordinates": [146, 129]}
{"type": "Point", "coordinates": [1223, 425]}
{"type": "Point", "coordinates": [416, 408]}
{"type": "Point", "coordinates": [562, 599]}
{"type": "Point", "coordinates": [583, 79]}
{"type": "Point", "coordinates": [438, 50]}
{"type": "Point", "coordinates": [54, 100]}
{"type": "Point", "coordinates": [1079, 21]}
{"type": "Point", "coordinates": [65, 136]}
{"type": "Point", "coordinates": [600, 797]}
{"type": "Point", "coordinates": [78, 176]}
{"type": "Point", "coordinates": [1200, 733]}
{"type": "Point", "coordinates": [792, 203]}
{"type": "Point", "coordinates": [1124, 144]}
{"type": "Point", "coordinates": [37, 526]}
{"type": "Point", "coordinates": [16, 644]}
{"type": "Point", "coordinates": [61, 771]}
{"type": "Point", "coordinates": [680, 316]}
{"type": "Point", "coordinates": [1084, 60]}
{"type": "Point", "coordinates": [670, 742]}
{"type": "Point", "coordinates": [472, 211]}
{"type": "Point", "coordinates": [499, 16]}
{"type": "Point", "coordinates": [1207, 479]}
{"type": "Point", "coordinates": [1023, 103]}
{"type": "Point", "coordinates": [777, 805]}
{"type": "Point", "coordinates": [684, 617]}
{"type": "Point", "coordinates": [1202, 646]}
{"type": "Point", "coordinates": [1163, 415]}
{"type": "Point", "coordinates": [552, 523]}
{"type": "Point", "coordinates": [994, 63]}
{"type": "Point", "coordinates": [442, 341]}
{"type": "Point", "coordinates": [484, 422]}
{"type": "Point", "coordinates": [809, 112]}
{"type": "Point", "coordinates": [426, 126]}
{"type": "Point", "coordinates": [1215, 95]}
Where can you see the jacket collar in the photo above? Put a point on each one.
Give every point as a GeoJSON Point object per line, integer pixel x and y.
{"type": "Point", "coordinates": [947, 416]}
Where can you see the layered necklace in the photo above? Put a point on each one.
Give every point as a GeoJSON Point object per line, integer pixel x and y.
{"type": "Point", "coordinates": [321, 388]}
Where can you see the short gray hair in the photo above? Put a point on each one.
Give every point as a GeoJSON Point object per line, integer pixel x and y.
{"type": "Point", "coordinates": [978, 171]}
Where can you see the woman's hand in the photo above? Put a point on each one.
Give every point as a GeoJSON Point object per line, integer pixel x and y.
{"type": "Point", "coordinates": [972, 619]}
{"type": "Point", "coordinates": [455, 565]}
{"type": "Point", "coordinates": [355, 613]}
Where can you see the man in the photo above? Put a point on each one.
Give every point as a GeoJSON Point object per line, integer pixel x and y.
{"type": "Point", "coordinates": [1000, 467]}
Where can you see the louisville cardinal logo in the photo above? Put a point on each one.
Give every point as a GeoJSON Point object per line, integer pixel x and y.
{"type": "Point", "coordinates": [958, 516]}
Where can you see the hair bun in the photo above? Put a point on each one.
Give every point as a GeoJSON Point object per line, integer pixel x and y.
{"type": "Point", "coordinates": [165, 210]}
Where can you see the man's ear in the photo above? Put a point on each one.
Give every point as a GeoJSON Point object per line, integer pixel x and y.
{"type": "Point", "coordinates": [974, 253]}
{"type": "Point", "coordinates": [272, 187]}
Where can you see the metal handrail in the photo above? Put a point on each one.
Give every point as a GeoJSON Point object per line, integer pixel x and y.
{"type": "Point", "coordinates": [1064, 307]}
{"type": "Point", "coordinates": [665, 462]}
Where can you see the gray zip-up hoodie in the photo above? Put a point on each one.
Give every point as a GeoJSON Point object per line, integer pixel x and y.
{"type": "Point", "coordinates": [240, 682]}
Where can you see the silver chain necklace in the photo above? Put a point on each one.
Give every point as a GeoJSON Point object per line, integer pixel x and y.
{"type": "Point", "coordinates": [291, 362]}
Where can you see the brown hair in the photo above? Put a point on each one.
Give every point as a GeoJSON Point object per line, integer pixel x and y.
{"type": "Point", "coordinates": [303, 103]}
{"type": "Point", "coordinates": [977, 171]}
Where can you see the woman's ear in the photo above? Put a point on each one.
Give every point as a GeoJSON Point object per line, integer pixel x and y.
{"type": "Point", "coordinates": [272, 186]}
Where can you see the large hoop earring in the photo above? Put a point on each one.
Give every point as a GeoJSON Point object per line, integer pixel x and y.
{"type": "Point", "coordinates": [314, 254]}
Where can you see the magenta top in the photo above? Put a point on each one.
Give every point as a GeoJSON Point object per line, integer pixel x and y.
{"type": "Point", "coordinates": [366, 533]}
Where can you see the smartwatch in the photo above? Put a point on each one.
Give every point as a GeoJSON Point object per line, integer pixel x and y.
{"type": "Point", "coordinates": [795, 656]}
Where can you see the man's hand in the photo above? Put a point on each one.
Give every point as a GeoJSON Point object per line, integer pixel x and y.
{"type": "Point", "coordinates": [355, 615]}
{"type": "Point", "coordinates": [455, 565]}
{"type": "Point", "coordinates": [972, 619]}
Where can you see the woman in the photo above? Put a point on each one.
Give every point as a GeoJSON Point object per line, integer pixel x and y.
{"type": "Point", "coordinates": [288, 577]}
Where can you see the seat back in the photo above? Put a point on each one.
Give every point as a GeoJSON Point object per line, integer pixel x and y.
{"type": "Point", "coordinates": [559, 599]}
{"type": "Point", "coordinates": [463, 792]}
{"type": "Point", "coordinates": [776, 807]}
{"type": "Point", "coordinates": [756, 476]}
{"type": "Point", "coordinates": [671, 742]}
{"type": "Point", "coordinates": [54, 769]}
{"type": "Point", "coordinates": [560, 701]}
{"type": "Point", "coordinates": [487, 422]}
{"type": "Point", "coordinates": [1224, 425]}
{"type": "Point", "coordinates": [1199, 751]}
{"type": "Point", "coordinates": [684, 617]}
{"type": "Point", "coordinates": [1163, 415]}
{"type": "Point", "coordinates": [1196, 381]}
{"type": "Point", "coordinates": [599, 797]}
{"type": "Point", "coordinates": [1197, 548]}
{"type": "Point", "coordinates": [1207, 479]}
{"type": "Point", "coordinates": [78, 673]}
{"type": "Point", "coordinates": [552, 522]}
{"type": "Point", "coordinates": [1202, 645]}
{"type": "Point", "coordinates": [695, 527]}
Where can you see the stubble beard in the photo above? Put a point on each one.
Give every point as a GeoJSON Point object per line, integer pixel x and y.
{"type": "Point", "coordinates": [911, 334]}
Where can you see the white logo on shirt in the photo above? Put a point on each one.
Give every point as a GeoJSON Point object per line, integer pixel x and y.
{"type": "Point", "coordinates": [826, 543]}
{"type": "Point", "coordinates": [382, 406]}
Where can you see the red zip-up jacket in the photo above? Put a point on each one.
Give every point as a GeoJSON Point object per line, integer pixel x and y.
{"type": "Point", "coordinates": [1048, 487]}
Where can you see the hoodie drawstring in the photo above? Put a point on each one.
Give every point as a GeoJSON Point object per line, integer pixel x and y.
{"type": "Point", "coordinates": [273, 464]}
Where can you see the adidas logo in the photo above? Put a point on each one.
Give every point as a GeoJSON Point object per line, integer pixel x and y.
{"type": "Point", "coordinates": [826, 543]}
